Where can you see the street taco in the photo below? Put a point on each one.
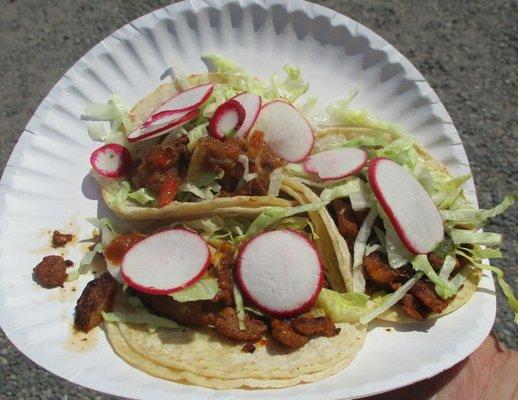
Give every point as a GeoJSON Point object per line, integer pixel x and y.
{"type": "Point", "coordinates": [188, 149]}
{"type": "Point", "coordinates": [249, 302]}
{"type": "Point", "coordinates": [407, 234]}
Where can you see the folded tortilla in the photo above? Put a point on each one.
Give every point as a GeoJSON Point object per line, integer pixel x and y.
{"type": "Point", "coordinates": [222, 206]}
{"type": "Point", "coordinates": [331, 137]}
{"type": "Point", "coordinates": [202, 356]}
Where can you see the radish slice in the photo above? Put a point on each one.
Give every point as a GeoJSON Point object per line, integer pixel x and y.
{"type": "Point", "coordinates": [188, 99]}
{"type": "Point", "coordinates": [252, 105]}
{"type": "Point", "coordinates": [285, 130]}
{"type": "Point", "coordinates": [166, 262]}
{"type": "Point", "coordinates": [227, 118]}
{"type": "Point", "coordinates": [280, 273]}
{"type": "Point", "coordinates": [164, 117]}
{"type": "Point", "coordinates": [336, 163]}
{"type": "Point", "coordinates": [408, 206]}
{"type": "Point", "coordinates": [111, 160]}
{"type": "Point", "coordinates": [173, 121]}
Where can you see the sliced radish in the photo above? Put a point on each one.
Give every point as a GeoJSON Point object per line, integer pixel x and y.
{"type": "Point", "coordinates": [166, 262]}
{"type": "Point", "coordinates": [280, 273]}
{"type": "Point", "coordinates": [336, 163]}
{"type": "Point", "coordinates": [408, 206]}
{"type": "Point", "coordinates": [285, 130]}
{"type": "Point", "coordinates": [111, 160]}
{"type": "Point", "coordinates": [227, 118]}
{"type": "Point", "coordinates": [188, 99]}
{"type": "Point", "coordinates": [252, 105]}
{"type": "Point", "coordinates": [173, 121]}
{"type": "Point", "coordinates": [164, 117]}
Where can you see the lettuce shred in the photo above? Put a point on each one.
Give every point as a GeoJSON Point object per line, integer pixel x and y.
{"type": "Point", "coordinates": [343, 307]}
{"type": "Point", "coordinates": [204, 289]}
{"type": "Point", "coordinates": [141, 318]}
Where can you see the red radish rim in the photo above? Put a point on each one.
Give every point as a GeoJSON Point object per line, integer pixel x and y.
{"type": "Point", "coordinates": [283, 314]}
{"type": "Point", "coordinates": [190, 282]}
{"type": "Point", "coordinates": [308, 124]}
{"type": "Point", "coordinates": [195, 105]}
{"type": "Point", "coordinates": [125, 160]}
{"type": "Point", "coordinates": [188, 117]}
{"type": "Point", "coordinates": [160, 115]}
{"type": "Point", "coordinates": [387, 209]}
{"type": "Point", "coordinates": [310, 169]}
{"type": "Point", "coordinates": [252, 120]}
{"type": "Point", "coordinates": [220, 112]}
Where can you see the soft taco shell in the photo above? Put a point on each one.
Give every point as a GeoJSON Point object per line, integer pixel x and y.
{"type": "Point", "coordinates": [203, 357]}
{"type": "Point", "coordinates": [329, 138]}
{"type": "Point", "coordinates": [223, 206]}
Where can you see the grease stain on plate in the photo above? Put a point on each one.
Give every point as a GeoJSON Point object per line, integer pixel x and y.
{"type": "Point", "coordinates": [80, 342]}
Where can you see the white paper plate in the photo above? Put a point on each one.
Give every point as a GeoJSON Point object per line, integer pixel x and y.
{"type": "Point", "coordinates": [44, 186]}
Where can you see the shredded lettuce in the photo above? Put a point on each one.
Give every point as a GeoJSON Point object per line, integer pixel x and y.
{"type": "Point", "coordinates": [448, 190]}
{"type": "Point", "coordinates": [140, 318]}
{"type": "Point", "coordinates": [196, 134]}
{"type": "Point", "coordinates": [292, 87]}
{"type": "Point", "coordinates": [98, 130]}
{"type": "Point", "coordinates": [275, 182]}
{"type": "Point", "coordinates": [401, 151]}
{"type": "Point", "coordinates": [447, 267]}
{"type": "Point", "coordinates": [462, 236]}
{"type": "Point", "coordinates": [204, 289]}
{"type": "Point", "coordinates": [240, 308]}
{"type": "Point", "coordinates": [141, 196]}
{"type": "Point", "coordinates": [442, 287]}
{"type": "Point", "coordinates": [274, 214]}
{"type": "Point", "coordinates": [343, 307]}
{"type": "Point", "coordinates": [477, 218]}
{"type": "Point", "coordinates": [114, 111]}
{"type": "Point", "coordinates": [391, 299]}
{"type": "Point", "coordinates": [506, 289]}
{"type": "Point", "coordinates": [373, 248]}
{"type": "Point", "coordinates": [89, 256]}
{"type": "Point", "coordinates": [362, 199]}
{"type": "Point", "coordinates": [247, 176]}
{"type": "Point", "coordinates": [352, 185]}
{"type": "Point", "coordinates": [359, 250]}
{"type": "Point", "coordinates": [218, 63]}
{"type": "Point", "coordinates": [397, 253]}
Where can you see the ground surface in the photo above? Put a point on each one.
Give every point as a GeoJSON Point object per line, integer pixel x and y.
{"type": "Point", "coordinates": [466, 50]}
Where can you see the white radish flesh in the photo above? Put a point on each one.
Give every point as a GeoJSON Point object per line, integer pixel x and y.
{"type": "Point", "coordinates": [188, 99]}
{"type": "Point", "coordinates": [154, 130]}
{"type": "Point", "coordinates": [280, 273]}
{"type": "Point", "coordinates": [408, 206]}
{"type": "Point", "coordinates": [227, 118]}
{"type": "Point", "coordinates": [251, 103]}
{"type": "Point", "coordinates": [285, 130]}
{"type": "Point", "coordinates": [111, 160]}
{"type": "Point", "coordinates": [336, 163]}
{"type": "Point", "coordinates": [166, 262]}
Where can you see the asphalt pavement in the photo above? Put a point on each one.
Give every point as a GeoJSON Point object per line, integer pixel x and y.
{"type": "Point", "coordinates": [466, 50]}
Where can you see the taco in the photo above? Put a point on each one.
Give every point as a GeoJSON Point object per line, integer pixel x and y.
{"type": "Point", "coordinates": [402, 228]}
{"type": "Point", "coordinates": [188, 149]}
{"type": "Point", "coordinates": [226, 302]}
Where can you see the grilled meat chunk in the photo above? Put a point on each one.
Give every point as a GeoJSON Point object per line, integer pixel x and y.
{"type": "Point", "coordinates": [51, 271]}
{"type": "Point", "coordinates": [228, 324]}
{"type": "Point", "coordinates": [97, 297]}
{"type": "Point", "coordinates": [190, 313]}
{"type": "Point", "coordinates": [61, 239]}
{"type": "Point", "coordinates": [307, 326]}
{"type": "Point", "coordinates": [285, 334]}
{"type": "Point", "coordinates": [414, 308]}
{"type": "Point", "coordinates": [162, 169]}
{"type": "Point", "coordinates": [378, 271]}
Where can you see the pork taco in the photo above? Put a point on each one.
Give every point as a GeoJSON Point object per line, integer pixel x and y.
{"type": "Point", "coordinates": [403, 230]}
{"type": "Point", "coordinates": [226, 302]}
{"type": "Point", "coordinates": [193, 147]}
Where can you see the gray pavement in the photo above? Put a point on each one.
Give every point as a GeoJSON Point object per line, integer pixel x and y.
{"type": "Point", "coordinates": [466, 50]}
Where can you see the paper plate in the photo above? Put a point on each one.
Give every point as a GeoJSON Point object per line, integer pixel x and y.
{"type": "Point", "coordinates": [45, 184]}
